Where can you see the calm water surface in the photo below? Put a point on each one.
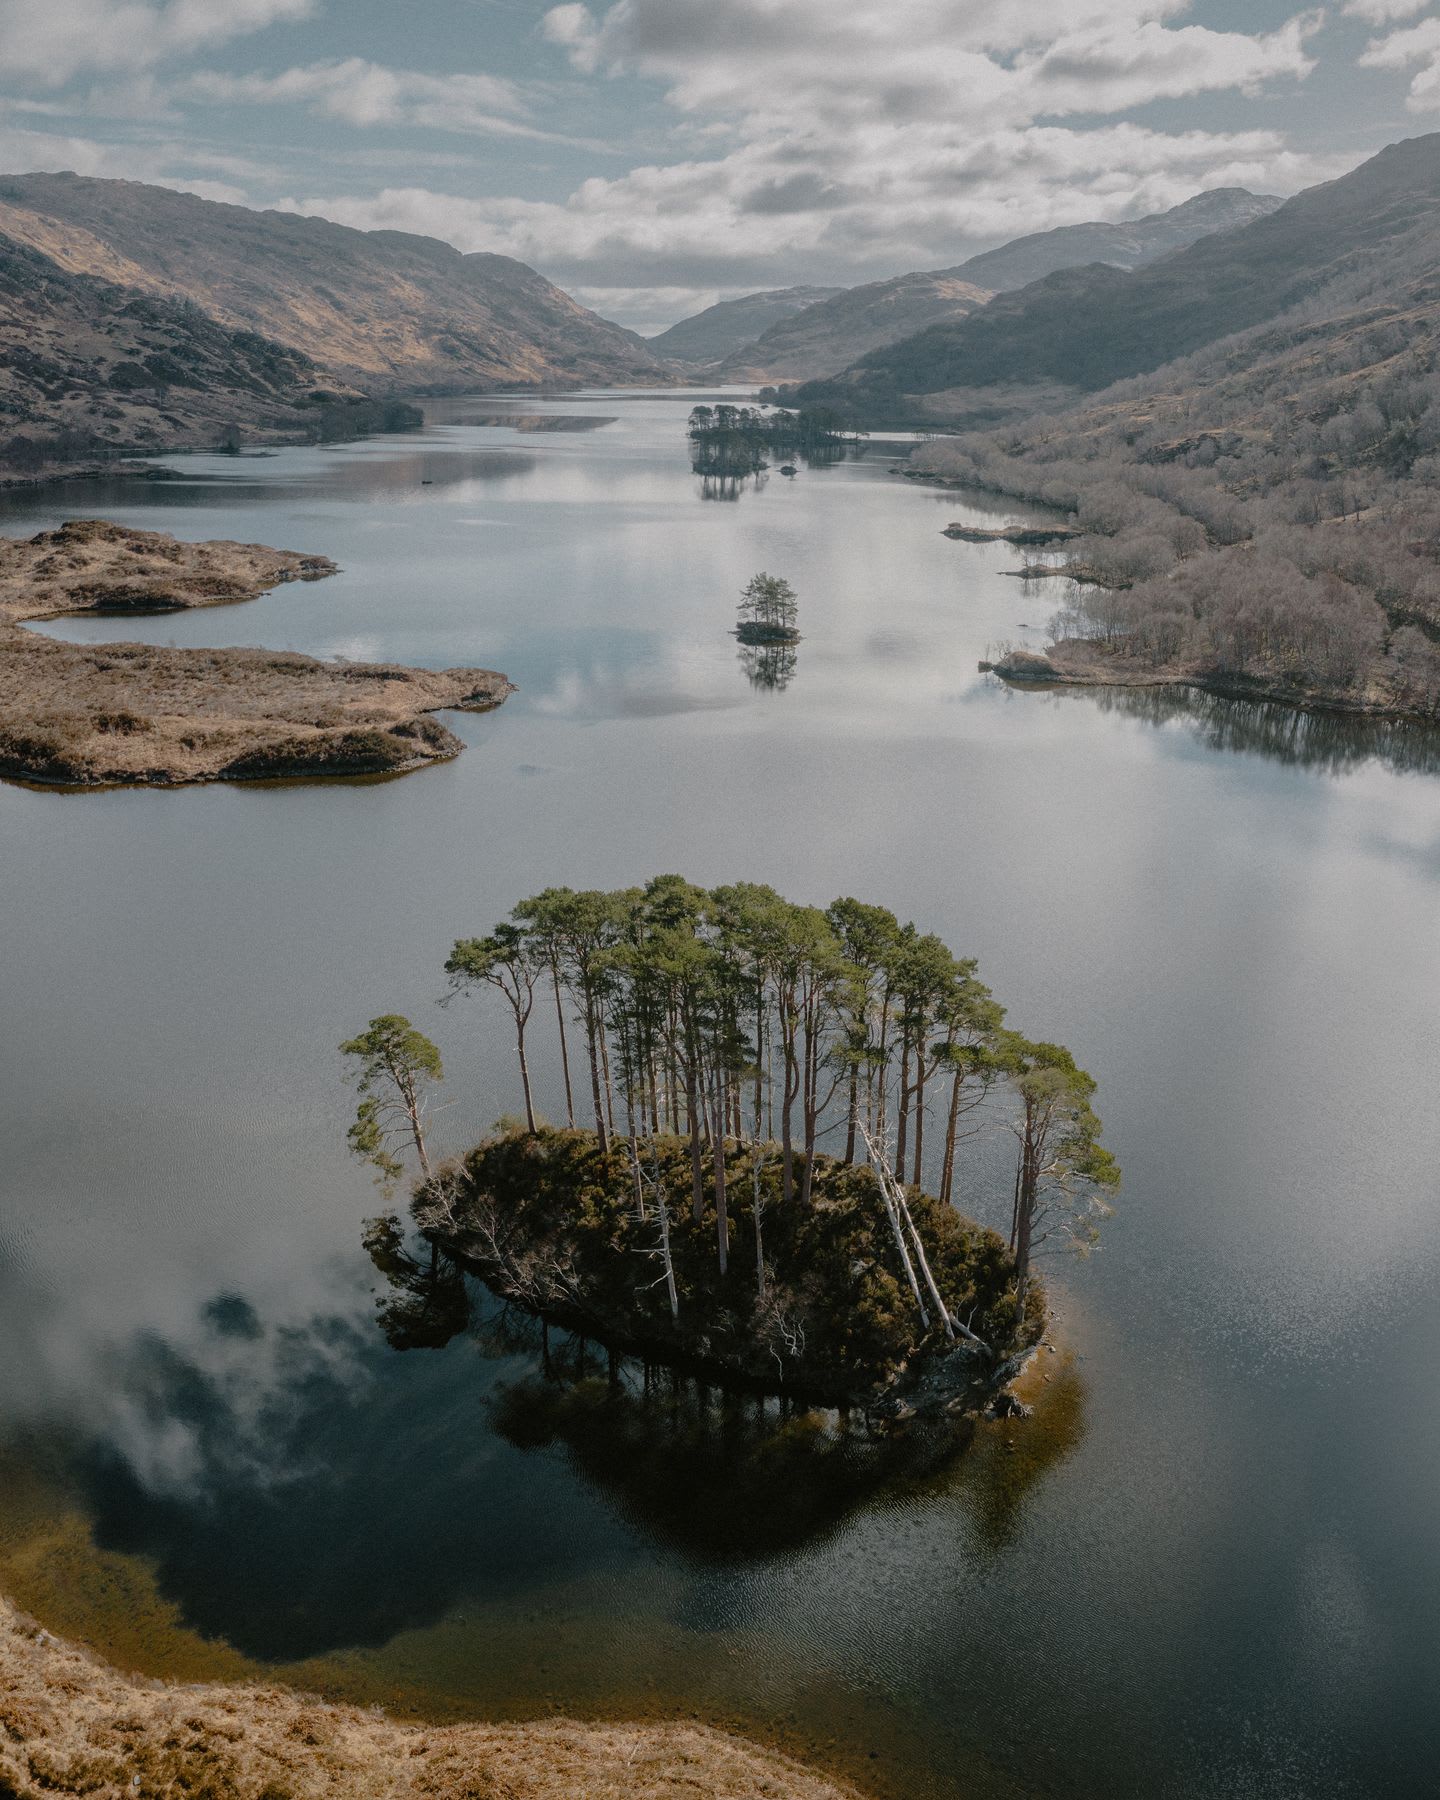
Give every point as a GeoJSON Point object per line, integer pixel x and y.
{"type": "Point", "coordinates": [1210, 1567]}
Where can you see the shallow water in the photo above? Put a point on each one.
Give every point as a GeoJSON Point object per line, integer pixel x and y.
{"type": "Point", "coordinates": [1212, 1567]}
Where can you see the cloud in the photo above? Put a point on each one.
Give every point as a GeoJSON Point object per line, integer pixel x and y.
{"type": "Point", "coordinates": [885, 134]}
{"type": "Point", "coordinates": [934, 198]}
{"type": "Point", "coordinates": [921, 59]}
{"type": "Point", "coordinates": [366, 94]}
{"type": "Point", "coordinates": [51, 41]}
{"type": "Point", "coordinates": [1418, 44]}
{"type": "Point", "coordinates": [1383, 12]}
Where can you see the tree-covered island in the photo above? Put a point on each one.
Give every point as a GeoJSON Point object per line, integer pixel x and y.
{"type": "Point", "coordinates": [753, 1093]}
{"type": "Point", "coordinates": [736, 441]}
{"type": "Point", "coordinates": [768, 611]}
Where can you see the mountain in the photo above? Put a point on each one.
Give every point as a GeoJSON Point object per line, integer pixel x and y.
{"type": "Point", "coordinates": [383, 310]}
{"type": "Point", "coordinates": [834, 333]}
{"type": "Point", "coordinates": [1076, 331]}
{"type": "Point", "coordinates": [1126, 245]}
{"type": "Point", "coordinates": [87, 365]}
{"type": "Point", "coordinates": [710, 336]}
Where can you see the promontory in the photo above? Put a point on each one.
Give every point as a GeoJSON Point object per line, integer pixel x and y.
{"type": "Point", "coordinates": [80, 715]}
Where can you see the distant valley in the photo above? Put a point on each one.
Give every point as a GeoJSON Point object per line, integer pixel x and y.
{"type": "Point", "coordinates": [139, 317]}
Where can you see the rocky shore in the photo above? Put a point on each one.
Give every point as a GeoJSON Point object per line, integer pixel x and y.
{"type": "Point", "coordinates": [71, 1726]}
{"type": "Point", "coordinates": [1013, 534]}
{"type": "Point", "coordinates": [76, 715]}
{"type": "Point", "coordinates": [1079, 663]}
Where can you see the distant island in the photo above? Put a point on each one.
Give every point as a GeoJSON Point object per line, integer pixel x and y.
{"type": "Point", "coordinates": [723, 1035]}
{"type": "Point", "coordinates": [75, 715]}
{"type": "Point", "coordinates": [734, 441]}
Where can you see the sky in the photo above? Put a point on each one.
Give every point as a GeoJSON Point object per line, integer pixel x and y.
{"type": "Point", "coordinates": [653, 156]}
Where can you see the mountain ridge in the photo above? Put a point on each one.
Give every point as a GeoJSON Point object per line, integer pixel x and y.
{"type": "Point", "coordinates": [828, 336]}
{"type": "Point", "coordinates": [1363, 226]}
{"type": "Point", "coordinates": [417, 315]}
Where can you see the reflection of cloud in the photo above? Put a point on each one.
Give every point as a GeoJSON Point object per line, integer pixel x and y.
{"type": "Point", "coordinates": [638, 694]}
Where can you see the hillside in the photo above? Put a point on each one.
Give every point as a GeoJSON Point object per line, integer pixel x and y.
{"type": "Point", "coordinates": [710, 336]}
{"type": "Point", "coordinates": [385, 311]}
{"type": "Point", "coordinates": [1082, 329]}
{"type": "Point", "coordinates": [1126, 245]}
{"type": "Point", "coordinates": [834, 333]}
{"type": "Point", "coordinates": [1260, 516]}
{"type": "Point", "coordinates": [87, 366]}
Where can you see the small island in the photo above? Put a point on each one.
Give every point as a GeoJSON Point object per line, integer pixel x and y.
{"type": "Point", "coordinates": [768, 612]}
{"type": "Point", "coordinates": [76, 715]}
{"type": "Point", "coordinates": [725, 1037]}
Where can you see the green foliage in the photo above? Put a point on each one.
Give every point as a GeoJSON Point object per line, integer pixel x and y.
{"type": "Point", "coordinates": [395, 1063]}
{"type": "Point", "coordinates": [768, 609]}
{"type": "Point", "coordinates": [837, 1319]}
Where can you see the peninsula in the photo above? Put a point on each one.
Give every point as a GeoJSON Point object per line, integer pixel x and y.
{"type": "Point", "coordinates": [76, 715]}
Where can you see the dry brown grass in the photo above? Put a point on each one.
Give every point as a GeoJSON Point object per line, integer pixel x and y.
{"type": "Point", "coordinates": [71, 1726]}
{"type": "Point", "coordinates": [81, 715]}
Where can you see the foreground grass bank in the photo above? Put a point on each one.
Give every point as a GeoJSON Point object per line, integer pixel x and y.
{"type": "Point", "coordinates": [69, 1725]}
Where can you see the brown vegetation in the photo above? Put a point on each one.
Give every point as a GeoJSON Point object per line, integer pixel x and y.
{"type": "Point", "coordinates": [82, 715]}
{"type": "Point", "coordinates": [383, 309]}
{"type": "Point", "coordinates": [71, 1726]}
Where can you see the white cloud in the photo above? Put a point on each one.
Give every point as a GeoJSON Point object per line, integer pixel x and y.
{"type": "Point", "coordinates": [884, 134]}
{"type": "Point", "coordinates": [367, 94]}
{"type": "Point", "coordinates": [1383, 12]}
{"type": "Point", "coordinates": [51, 41]}
{"type": "Point", "coordinates": [810, 61]}
{"type": "Point", "coordinates": [724, 225]}
{"type": "Point", "coordinates": [1417, 44]}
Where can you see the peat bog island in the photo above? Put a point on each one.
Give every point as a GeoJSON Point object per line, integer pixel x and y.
{"type": "Point", "coordinates": [484, 1316]}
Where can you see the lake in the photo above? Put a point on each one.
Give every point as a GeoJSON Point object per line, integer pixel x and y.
{"type": "Point", "coordinates": [1210, 1566]}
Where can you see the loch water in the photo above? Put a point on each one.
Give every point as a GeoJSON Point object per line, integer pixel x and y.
{"type": "Point", "coordinates": [1209, 1567]}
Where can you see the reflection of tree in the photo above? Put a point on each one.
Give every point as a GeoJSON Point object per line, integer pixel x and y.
{"type": "Point", "coordinates": [427, 1304]}
{"type": "Point", "coordinates": [1010, 1456]}
{"type": "Point", "coordinates": [768, 666]}
{"type": "Point", "coordinates": [1332, 742]}
{"type": "Point", "coordinates": [726, 487]}
{"type": "Point", "coordinates": [730, 1477]}
{"type": "Point", "coordinates": [724, 1475]}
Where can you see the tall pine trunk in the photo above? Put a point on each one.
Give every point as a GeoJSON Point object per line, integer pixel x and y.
{"type": "Point", "coordinates": [564, 1046]}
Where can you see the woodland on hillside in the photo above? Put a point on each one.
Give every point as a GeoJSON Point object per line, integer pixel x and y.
{"type": "Point", "coordinates": [1265, 510]}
